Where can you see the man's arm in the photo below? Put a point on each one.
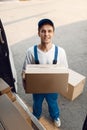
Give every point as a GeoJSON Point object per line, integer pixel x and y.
{"type": "Point", "coordinates": [23, 79]}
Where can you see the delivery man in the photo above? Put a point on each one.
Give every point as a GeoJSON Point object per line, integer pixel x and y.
{"type": "Point", "coordinates": [45, 53]}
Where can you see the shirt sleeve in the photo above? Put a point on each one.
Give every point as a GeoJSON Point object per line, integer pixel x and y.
{"type": "Point", "coordinates": [65, 60]}
{"type": "Point", "coordinates": [63, 57]}
{"type": "Point", "coordinates": [29, 59]}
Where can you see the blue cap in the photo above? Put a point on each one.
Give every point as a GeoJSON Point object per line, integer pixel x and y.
{"type": "Point", "coordinates": [44, 22]}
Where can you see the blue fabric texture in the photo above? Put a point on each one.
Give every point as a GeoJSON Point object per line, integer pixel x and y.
{"type": "Point", "coordinates": [51, 98]}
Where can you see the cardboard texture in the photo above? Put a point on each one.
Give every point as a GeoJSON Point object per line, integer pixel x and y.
{"type": "Point", "coordinates": [53, 78]}
{"type": "Point", "coordinates": [76, 85]}
{"type": "Point", "coordinates": [48, 124]}
{"type": "Point", "coordinates": [11, 96]}
{"type": "Point", "coordinates": [22, 111]}
{"type": "Point", "coordinates": [10, 117]}
{"type": "Point", "coordinates": [1, 126]}
{"type": "Point", "coordinates": [4, 87]}
{"type": "Point", "coordinates": [46, 79]}
{"type": "Point", "coordinates": [36, 125]}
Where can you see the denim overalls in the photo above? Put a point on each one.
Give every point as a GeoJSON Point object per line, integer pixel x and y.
{"type": "Point", "coordinates": [51, 98]}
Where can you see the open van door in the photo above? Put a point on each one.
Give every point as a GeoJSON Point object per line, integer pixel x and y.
{"type": "Point", "coordinates": [7, 68]}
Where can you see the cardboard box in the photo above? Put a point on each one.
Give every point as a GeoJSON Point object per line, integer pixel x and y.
{"type": "Point", "coordinates": [46, 79]}
{"type": "Point", "coordinates": [22, 111]}
{"type": "Point", "coordinates": [76, 85]}
{"type": "Point", "coordinates": [4, 87]}
{"type": "Point", "coordinates": [11, 96]}
{"type": "Point", "coordinates": [26, 111]}
{"type": "Point", "coordinates": [16, 110]}
{"type": "Point", "coordinates": [10, 118]}
{"type": "Point", "coordinates": [49, 124]}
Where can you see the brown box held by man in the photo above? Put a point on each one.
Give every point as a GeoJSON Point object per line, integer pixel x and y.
{"type": "Point", "coordinates": [10, 118]}
{"type": "Point", "coordinates": [76, 85]}
{"type": "Point", "coordinates": [46, 79]}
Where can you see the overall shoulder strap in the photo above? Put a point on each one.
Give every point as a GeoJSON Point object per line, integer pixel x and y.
{"type": "Point", "coordinates": [55, 55]}
{"type": "Point", "coordinates": [36, 55]}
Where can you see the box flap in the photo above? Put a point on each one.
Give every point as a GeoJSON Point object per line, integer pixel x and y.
{"type": "Point", "coordinates": [75, 78]}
